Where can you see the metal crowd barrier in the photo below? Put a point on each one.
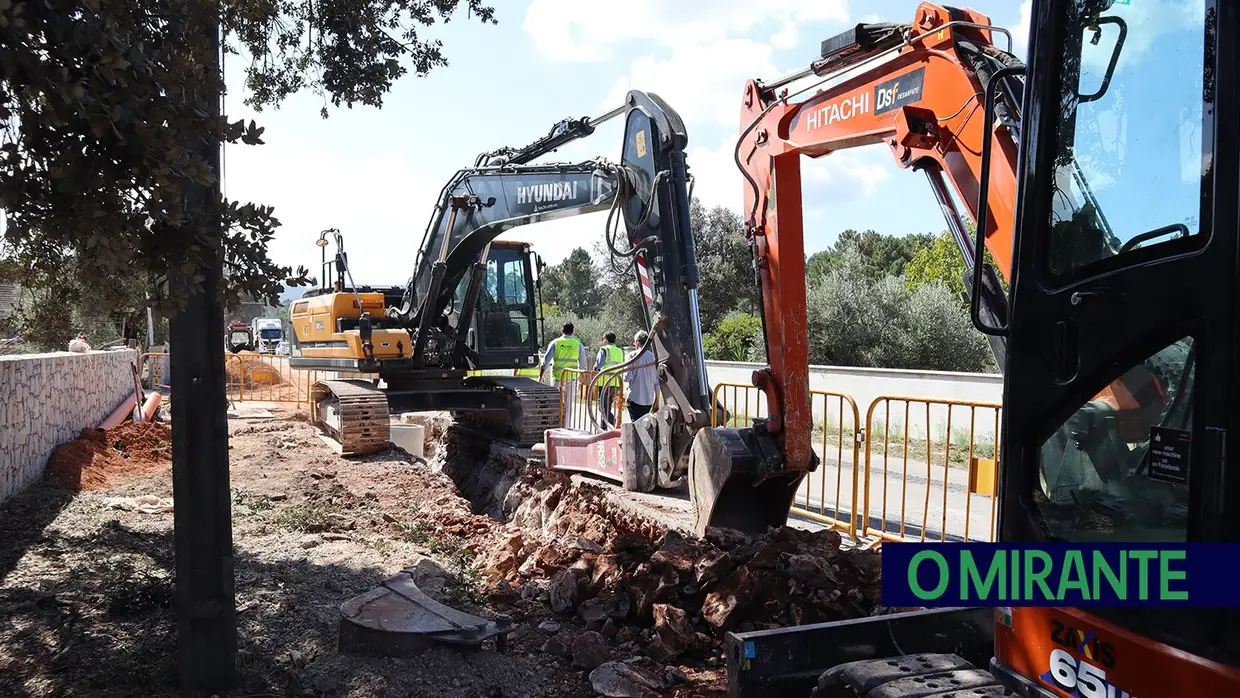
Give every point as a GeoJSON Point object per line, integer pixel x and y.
{"type": "Point", "coordinates": [899, 475]}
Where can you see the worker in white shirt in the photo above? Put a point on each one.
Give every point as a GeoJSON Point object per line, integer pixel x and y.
{"type": "Point", "coordinates": [563, 353]}
{"type": "Point", "coordinates": [642, 378]}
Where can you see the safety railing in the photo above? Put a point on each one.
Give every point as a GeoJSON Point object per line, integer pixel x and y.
{"type": "Point", "coordinates": [931, 469]}
{"type": "Point", "coordinates": [579, 391]}
{"type": "Point", "coordinates": [917, 468]}
{"type": "Point", "coordinates": [248, 377]}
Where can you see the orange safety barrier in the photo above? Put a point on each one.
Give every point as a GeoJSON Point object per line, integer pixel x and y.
{"type": "Point", "coordinates": [249, 377]}
{"type": "Point", "coordinates": [961, 473]}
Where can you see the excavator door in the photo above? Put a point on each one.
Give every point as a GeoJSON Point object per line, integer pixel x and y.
{"type": "Point", "coordinates": [1125, 273]}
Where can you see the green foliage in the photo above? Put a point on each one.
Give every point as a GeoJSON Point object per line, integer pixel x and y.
{"type": "Point", "coordinates": [858, 320]}
{"type": "Point", "coordinates": [725, 264]}
{"type": "Point", "coordinates": [879, 255]}
{"type": "Point", "coordinates": [573, 284]}
{"type": "Point", "coordinates": [81, 297]}
{"type": "Point", "coordinates": [109, 108]}
{"type": "Point", "coordinates": [938, 262]}
{"type": "Point", "coordinates": [737, 338]}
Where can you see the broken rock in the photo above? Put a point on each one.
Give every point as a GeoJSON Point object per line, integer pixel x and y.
{"type": "Point", "coordinates": [563, 592]}
{"type": "Point", "coordinates": [609, 604]}
{"type": "Point", "coordinates": [735, 592]}
{"type": "Point", "coordinates": [673, 629]}
{"type": "Point", "coordinates": [621, 680]}
{"type": "Point", "coordinates": [589, 650]}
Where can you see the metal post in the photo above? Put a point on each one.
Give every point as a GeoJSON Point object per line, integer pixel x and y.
{"type": "Point", "coordinates": [205, 594]}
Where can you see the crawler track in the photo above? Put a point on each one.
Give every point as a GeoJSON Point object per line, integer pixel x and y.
{"type": "Point", "coordinates": [355, 413]}
{"type": "Point", "coordinates": [533, 409]}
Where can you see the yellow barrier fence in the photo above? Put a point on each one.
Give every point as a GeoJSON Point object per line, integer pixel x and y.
{"type": "Point", "coordinates": [935, 462]}
{"type": "Point", "coordinates": [917, 468]}
{"type": "Point", "coordinates": [578, 392]}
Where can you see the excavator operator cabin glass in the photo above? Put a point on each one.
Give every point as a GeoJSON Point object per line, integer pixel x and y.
{"type": "Point", "coordinates": [1128, 157]}
{"type": "Point", "coordinates": [507, 314]}
{"type": "Point", "coordinates": [1129, 163]}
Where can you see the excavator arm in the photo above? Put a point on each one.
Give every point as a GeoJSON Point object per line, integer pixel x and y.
{"type": "Point", "coordinates": [657, 244]}
{"type": "Point", "coordinates": [918, 90]}
{"type": "Point", "coordinates": [943, 100]}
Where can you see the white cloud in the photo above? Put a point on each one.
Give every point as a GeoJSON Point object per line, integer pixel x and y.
{"type": "Point", "coordinates": [569, 30]}
{"type": "Point", "coordinates": [847, 174]}
{"type": "Point", "coordinates": [702, 81]}
{"type": "Point", "coordinates": [380, 203]}
{"type": "Point", "coordinates": [1020, 32]}
{"type": "Point", "coordinates": [717, 181]}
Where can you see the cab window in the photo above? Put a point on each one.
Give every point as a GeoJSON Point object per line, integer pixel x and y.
{"type": "Point", "coordinates": [1129, 162]}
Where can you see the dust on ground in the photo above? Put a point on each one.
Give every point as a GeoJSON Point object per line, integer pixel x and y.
{"type": "Point", "coordinates": [606, 600]}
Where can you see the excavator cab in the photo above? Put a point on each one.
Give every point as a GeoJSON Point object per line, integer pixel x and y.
{"type": "Point", "coordinates": [503, 333]}
{"type": "Point", "coordinates": [1136, 292]}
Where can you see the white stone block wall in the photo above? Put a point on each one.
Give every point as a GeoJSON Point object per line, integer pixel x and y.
{"type": "Point", "coordinates": [47, 399]}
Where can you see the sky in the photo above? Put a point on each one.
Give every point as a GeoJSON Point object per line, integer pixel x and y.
{"type": "Point", "coordinates": [375, 174]}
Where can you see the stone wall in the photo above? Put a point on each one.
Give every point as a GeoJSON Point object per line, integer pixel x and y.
{"type": "Point", "coordinates": [47, 399]}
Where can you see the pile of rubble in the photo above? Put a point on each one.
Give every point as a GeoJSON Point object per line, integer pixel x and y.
{"type": "Point", "coordinates": [661, 591]}
{"type": "Point", "coordinates": [98, 459]}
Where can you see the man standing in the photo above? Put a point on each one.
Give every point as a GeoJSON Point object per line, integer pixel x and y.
{"type": "Point", "coordinates": [609, 355]}
{"type": "Point", "coordinates": [563, 353]}
{"type": "Point", "coordinates": [642, 377]}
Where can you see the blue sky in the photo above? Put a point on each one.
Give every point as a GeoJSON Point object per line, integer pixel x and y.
{"type": "Point", "coordinates": [375, 173]}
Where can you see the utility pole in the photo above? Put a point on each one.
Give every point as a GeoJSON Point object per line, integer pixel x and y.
{"type": "Point", "coordinates": [205, 593]}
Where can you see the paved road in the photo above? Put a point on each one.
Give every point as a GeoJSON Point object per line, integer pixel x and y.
{"type": "Point", "coordinates": [913, 494]}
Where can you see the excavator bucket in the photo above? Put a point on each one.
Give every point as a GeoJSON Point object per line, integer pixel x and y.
{"type": "Point", "coordinates": [729, 486]}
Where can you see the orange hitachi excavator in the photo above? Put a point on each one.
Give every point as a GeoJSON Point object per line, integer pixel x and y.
{"type": "Point", "coordinates": [1094, 178]}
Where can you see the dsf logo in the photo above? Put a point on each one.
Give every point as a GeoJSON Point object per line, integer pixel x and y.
{"type": "Point", "coordinates": [887, 97]}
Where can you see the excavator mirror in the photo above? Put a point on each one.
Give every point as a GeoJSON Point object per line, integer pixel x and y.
{"type": "Point", "coordinates": [1093, 45]}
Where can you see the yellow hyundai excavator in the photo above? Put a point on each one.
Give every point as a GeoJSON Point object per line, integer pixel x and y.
{"type": "Point", "coordinates": [470, 304]}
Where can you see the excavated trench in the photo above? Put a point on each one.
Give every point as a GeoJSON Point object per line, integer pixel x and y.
{"type": "Point", "coordinates": [571, 550]}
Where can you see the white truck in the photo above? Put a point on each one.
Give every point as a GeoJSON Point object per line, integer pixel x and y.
{"type": "Point", "coordinates": [268, 333]}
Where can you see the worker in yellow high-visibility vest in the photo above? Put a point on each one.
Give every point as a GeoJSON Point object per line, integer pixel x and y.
{"type": "Point", "coordinates": [563, 353]}
{"type": "Point", "coordinates": [608, 355]}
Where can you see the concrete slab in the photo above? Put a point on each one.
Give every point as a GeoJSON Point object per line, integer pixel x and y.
{"type": "Point", "coordinates": [409, 437]}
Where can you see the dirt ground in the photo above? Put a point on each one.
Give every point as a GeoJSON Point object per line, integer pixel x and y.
{"type": "Point", "coordinates": [86, 584]}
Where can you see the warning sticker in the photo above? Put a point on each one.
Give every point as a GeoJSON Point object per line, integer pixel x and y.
{"type": "Point", "coordinates": [1169, 455]}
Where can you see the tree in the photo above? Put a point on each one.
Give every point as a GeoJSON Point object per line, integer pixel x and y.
{"type": "Point", "coordinates": [938, 262]}
{"type": "Point", "coordinates": [880, 255]}
{"type": "Point", "coordinates": [725, 264]}
{"type": "Point", "coordinates": [737, 338]}
{"type": "Point", "coordinates": [106, 104]}
{"type": "Point", "coordinates": [573, 284]}
{"type": "Point", "coordinates": [942, 262]}
{"type": "Point", "coordinates": [858, 320]}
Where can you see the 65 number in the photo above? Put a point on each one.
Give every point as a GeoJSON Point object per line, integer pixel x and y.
{"type": "Point", "coordinates": [1086, 679]}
